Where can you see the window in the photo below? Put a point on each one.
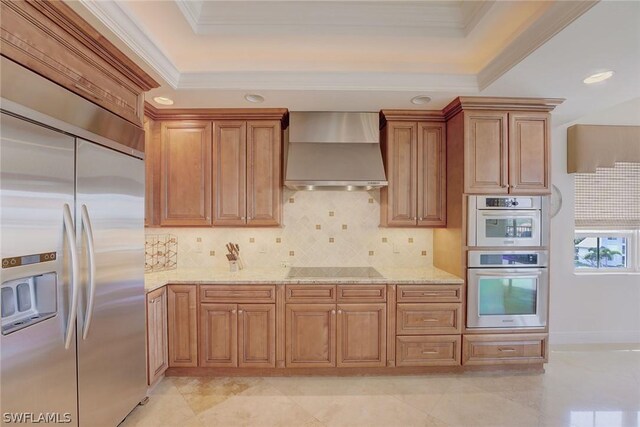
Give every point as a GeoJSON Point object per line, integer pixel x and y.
{"type": "Point", "coordinates": [606, 251]}
{"type": "Point", "coordinates": [607, 237]}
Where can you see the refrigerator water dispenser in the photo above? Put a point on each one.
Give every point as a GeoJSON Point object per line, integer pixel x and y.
{"type": "Point", "coordinates": [27, 301]}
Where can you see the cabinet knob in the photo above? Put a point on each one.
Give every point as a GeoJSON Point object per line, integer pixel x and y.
{"type": "Point", "coordinates": [504, 186]}
{"type": "Point", "coordinates": [420, 219]}
{"type": "Point", "coordinates": [233, 311]}
{"type": "Point", "coordinates": [339, 311]}
{"type": "Point", "coordinates": [243, 218]}
{"type": "Point", "coordinates": [333, 312]}
{"type": "Point", "coordinates": [239, 311]}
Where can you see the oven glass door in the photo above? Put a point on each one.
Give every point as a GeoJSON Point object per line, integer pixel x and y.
{"type": "Point", "coordinates": [504, 298]}
{"type": "Point", "coordinates": [508, 228]}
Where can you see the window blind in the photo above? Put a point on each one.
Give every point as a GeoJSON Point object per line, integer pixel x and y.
{"type": "Point", "coordinates": [608, 198]}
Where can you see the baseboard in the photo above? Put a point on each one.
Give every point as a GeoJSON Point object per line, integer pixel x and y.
{"type": "Point", "coordinates": [593, 337]}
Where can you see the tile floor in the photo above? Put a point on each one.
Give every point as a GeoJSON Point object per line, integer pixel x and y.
{"type": "Point", "coordinates": [579, 389]}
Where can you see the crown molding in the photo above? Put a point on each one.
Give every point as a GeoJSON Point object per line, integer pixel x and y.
{"type": "Point", "coordinates": [121, 23]}
{"type": "Point", "coordinates": [558, 16]}
{"type": "Point", "coordinates": [280, 114]}
{"type": "Point", "coordinates": [499, 104]}
{"type": "Point", "coordinates": [473, 12]}
{"type": "Point", "coordinates": [192, 10]}
{"type": "Point", "coordinates": [410, 116]}
{"type": "Point", "coordinates": [294, 80]}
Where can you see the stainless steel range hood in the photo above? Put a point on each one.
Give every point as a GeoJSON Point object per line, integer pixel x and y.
{"type": "Point", "coordinates": [334, 151]}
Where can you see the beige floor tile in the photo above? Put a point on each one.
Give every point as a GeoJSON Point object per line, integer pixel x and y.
{"type": "Point", "coordinates": [262, 405]}
{"type": "Point", "coordinates": [168, 410]}
{"type": "Point", "coordinates": [202, 393]}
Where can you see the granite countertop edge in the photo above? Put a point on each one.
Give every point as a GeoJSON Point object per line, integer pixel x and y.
{"type": "Point", "coordinates": [433, 276]}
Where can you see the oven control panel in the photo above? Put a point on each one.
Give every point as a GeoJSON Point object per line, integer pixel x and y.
{"type": "Point", "coordinates": [507, 202]}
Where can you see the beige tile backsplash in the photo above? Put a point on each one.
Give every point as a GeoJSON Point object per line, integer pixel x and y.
{"type": "Point", "coordinates": [320, 228]}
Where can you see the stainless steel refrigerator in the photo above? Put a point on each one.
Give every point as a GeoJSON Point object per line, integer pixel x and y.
{"type": "Point", "coordinates": [72, 346]}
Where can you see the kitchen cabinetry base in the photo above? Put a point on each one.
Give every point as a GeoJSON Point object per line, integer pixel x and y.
{"type": "Point", "coordinates": [347, 372]}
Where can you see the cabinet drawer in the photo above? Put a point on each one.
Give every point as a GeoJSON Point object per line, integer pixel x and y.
{"type": "Point", "coordinates": [429, 293]}
{"type": "Point", "coordinates": [238, 293]}
{"type": "Point", "coordinates": [362, 293]}
{"type": "Point", "coordinates": [441, 350]}
{"type": "Point", "coordinates": [311, 293]}
{"type": "Point", "coordinates": [504, 349]}
{"type": "Point", "coordinates": [421, 319]}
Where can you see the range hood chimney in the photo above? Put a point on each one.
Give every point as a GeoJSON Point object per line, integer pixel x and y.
{"type": "Point", "coordinates": [334, 151]}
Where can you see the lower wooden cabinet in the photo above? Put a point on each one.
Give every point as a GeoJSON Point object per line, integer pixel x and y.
{"type": "Point", "coordinates": [234, 335]}
{"type": "Point", "coordinates": [435, 318]}
{"type": "Point", "coordinates": [157, 349]}
{"type": "Point", "coordinates": [218, 341]}
{"type": "Point", "coordinates": [438, 350]}
{"type": "Point", "coordinates": [504, 349]}
{"type": "Point", "coordinates": [362, 335]}
{"type": "Point", "coordinates": [183, 325]}
{"type": "Point", "coordinates": [310, 335]}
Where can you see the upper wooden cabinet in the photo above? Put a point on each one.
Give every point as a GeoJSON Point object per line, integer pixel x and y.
{"type": "Point", "coordinates": [415, 162]}
{"type": "Point", "coordinates": [222, 172]}
{"type": "Point", "coordinates": [185, 173]}
{"type": "Point", "coordinates": [506, 152]}
{"type": "Point", "coordinates": [247, 171]}
{"type": "Point", "coordinates": [49, 38]}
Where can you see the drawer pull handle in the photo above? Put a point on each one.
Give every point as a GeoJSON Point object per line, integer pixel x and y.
{"type": "Point", "coordinates": [430, 294]}
{"type": "Point", "coordinates": [430, 352]}
{"type": "Point", "coordinates": [506, 349]}
{"type": "Point", "coordinates": [429, 320]}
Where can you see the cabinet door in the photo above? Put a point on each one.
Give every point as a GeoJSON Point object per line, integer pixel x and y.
{"type": "Point", "coordinates": [400, 196]}
{"type": "Point", "coordinates": [257, 335]}
{"type": "Point", "coordinates": [183, 325]}
{"type": "Point", "coordinates": [362, 335]}
{"type": "Point", "coordinates": [432, 175]}
{"type": "Point", "coordinates": [218, 335]}
{"type": "Point", "coordinates": [529, 153]}
{"type": "Point", "coordinates": [185, 193]}
{"type": "Point", "coordinates": [150, 175]}
{"type": "Point", "coordinates": [485, 152]}
{"type": "Point", "coordinates": [264, 192]}
{"type": "Point", "coordinates": [157, 349]}
{"type": "Point", "coordinates": [311, 335]}
{"type": "Point", "coordinates": [229, 173]}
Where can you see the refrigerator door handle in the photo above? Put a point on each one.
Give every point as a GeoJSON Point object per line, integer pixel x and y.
{"type": "Point", "coordinates": [88, 229]}
{"type": "Point", "coordinates": [75, 273]}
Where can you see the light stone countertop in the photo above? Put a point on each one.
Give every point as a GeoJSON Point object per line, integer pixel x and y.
{"type": "Point", "coordinates": [277, 276]}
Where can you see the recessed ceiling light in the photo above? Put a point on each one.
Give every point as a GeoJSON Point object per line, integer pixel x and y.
{"type": "Point", "coordinates": [598, 77]}
{"type": "Point", "coordinates": [163, 100]}
{"type": "Point", "coordinates": [420, 100]}
{"type": "Point", "coordinates": [255, 98]}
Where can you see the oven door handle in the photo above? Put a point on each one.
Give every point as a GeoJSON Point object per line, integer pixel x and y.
{"type": "Point", "coordinates": [510, 213]}
{"type": "Point", "coordinates": [510, 275]}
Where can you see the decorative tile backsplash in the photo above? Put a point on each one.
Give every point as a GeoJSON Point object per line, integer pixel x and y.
{"type": "Point", "coordinates": [320, 228]}
{"type": "Point", "coordinates": [160, 252]}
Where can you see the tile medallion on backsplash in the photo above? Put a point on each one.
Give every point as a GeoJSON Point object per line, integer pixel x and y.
{"type": "Point", "coordinates": [344, 226]}
{"type": "Point", "coordinates": [318, 227]}
{"type": "Point", "coordinates": [252, 239]}
{"type": "Point", "coordinates": [212, 253]}
{"type": "Point", "coordinates": [424, 253]}
{"type": "Point", "coordinates": [371, 200]}
{"type": "Point", "coordinates": [278, 240]}
{"type": "Point", "coordinates": [384, 240]}
{"type": "Point", "coordinates": [291, 253]}
{"type": "Point", "coordinates": [410, 239]}
{"type": "Point", "coordinates": [332, 213]}
{"type": "Point", "coordinates": [199, 239]}
{"type": "Point", "coordinates": [292, 200]}
{"type": "Point", "coordinates": [371, 253]}
{"type": "Point", "coordinates": [331, 240]}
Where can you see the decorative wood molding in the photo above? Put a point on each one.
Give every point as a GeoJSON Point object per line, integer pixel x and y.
{"type": "Point", "coordinates": [123, 25]}
{"type": "Point", "coordinates": [499, 104]}
{"type": "Point", "coordinates": [281, 114]}
{"type": "Point", "coordinates": [410, 116]}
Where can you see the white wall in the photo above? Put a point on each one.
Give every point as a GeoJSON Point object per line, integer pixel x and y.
{"type": "Point", "coordinates": [588, 308]}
